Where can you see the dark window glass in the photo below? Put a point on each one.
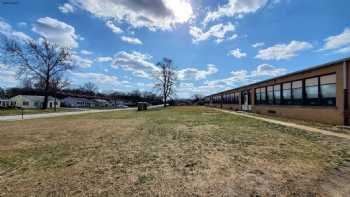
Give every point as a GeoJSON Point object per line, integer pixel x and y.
{"type": "Point", "coordinates": [311, 91]}
{"type": "Point", "coordinates": [270, 94]}
{"type": "Point", "coordinates": [297, 92]}
{"type": "Point", "coordinates": [263, 95]}
{"type": "Point", "coordinates": [287, 93]}
{"type": "Point", "coordinates": [277, 94]}
{"type": "Point", "coordinates": [257, 96]}
{"type": "Point", "coordinates": [328, 89]}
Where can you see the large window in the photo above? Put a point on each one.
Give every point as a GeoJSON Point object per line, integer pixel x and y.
{"type": "Point", "coordinates": [312, 91]}
{"type": "Point", "coordinates": [258, 96]}
{"type": "Point", "coordinates": [236, 98]}
{"type": "Point", "coordinates": [277, 94]}
{"type": "Point", "coordinates": [263, 95]}
{"type": "Point", "coordinates": [225, 99]}
{"type": "Point", "coordinates": [297, 92]}
{"type": "Point", "coordinates": [270, 95]}
{"type": "Point", "coordinates": [287, 93]}
{"type": "Point", "coordinates": [328, 89]}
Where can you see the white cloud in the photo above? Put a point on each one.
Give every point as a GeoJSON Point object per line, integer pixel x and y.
{"type": "Point", "coordinates": [186, 90]}
{"type": "Point", "coordinates": [258, 44]}
{"type": "Point", "coordinates": [86, 52]}
{"type": "Point", "coordinates": [21, 35]}
{"type": "Point", "coordinates": [340, 42]}
{"type": "Point", "coordinates": [22, 24]}
{"type": "Point", "coordinates": [237, 53]}
{"type": "Point", "coordinates": [218, 32]}
{"type": "Point", "coordinates": [154, 15]}
{"type": "Point", "coordinates": [235, 8]}
{"type": "Point", "coordinates": [268, 70]}
{"type": "Point", "coordinates": [244, 76]}
{"type": "Point", "coordinates": [7, 75]}
{"type": "Point", "coordinates": [344, 50]}
{"type": "Point", "coordinates": [283, 51]}
{"type": "Point", "coordinates": [104, 59]}
{"type": "Point", "coordinates": [196, 74]}
{"type": "Point", "coordinates": [7, 30]}
{"type": "Point", "coordinates": [138, 63]}
{"type": "Point", "coordinates": [81, 62]}
{"type": "Point", "coordinates": [234, 36]}
{"type": "Point", "coordinates": [236, 76]}
{"type": "Point", "coordinates": [97, 78]}
{"type": "Point", "coordinates": [113, 27]}
{"type": "Point", "coordinates": [56, 31]}
{"type": "Point", "coordinates": [66, 8]}
{"type": "Point", "coordinates": [131, 40]}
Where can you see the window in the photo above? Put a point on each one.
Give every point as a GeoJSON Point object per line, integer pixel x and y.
{"type": "Point", "coordinates": [297, 92]}
{"type": "Point", "coordinates": [312, 91]}
{"type": "Point", "coordinates": [328, 87]}
{"type": "Point", "coordinates": [263, 95]}
{"type": "Point", "coordinates": [270, 95]}
{"type": "Point", "coordinates": [25, 103]}
{"type": "Point", "coordinates": [236, 98]}
{"type": "Point", "coordinates": [287, 93]}
{"type": "Point", "coordinates": [277, 94]}
{"type": "Point", "coordinates": [258, 96]}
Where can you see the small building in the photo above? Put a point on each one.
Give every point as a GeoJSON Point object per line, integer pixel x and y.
{"type": "Point", "coordinates": [75, 102]}
{"type": "Point", "coordinates": [35, 102]}
{"type": "Point", "coordinates": [101, 103]}
{"type": "Point", "coordinates": [7, 103]}
{"type": "Point", "coordinates": [319, 93]}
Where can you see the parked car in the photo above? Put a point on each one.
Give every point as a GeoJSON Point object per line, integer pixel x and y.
{"type": "Point", "coordinates": [122, 106]}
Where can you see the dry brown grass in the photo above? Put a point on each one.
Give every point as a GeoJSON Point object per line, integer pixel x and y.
{"type": "Point", "coordinates": [183, 151]}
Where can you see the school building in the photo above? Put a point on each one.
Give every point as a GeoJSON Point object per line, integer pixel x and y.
{"type": "Point", "coordinates": [318, 93]}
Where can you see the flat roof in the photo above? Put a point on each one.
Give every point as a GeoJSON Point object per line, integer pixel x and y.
{"type": "Point", "coordinates": [289, 74]}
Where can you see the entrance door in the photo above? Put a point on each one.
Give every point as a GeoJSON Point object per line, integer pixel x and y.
{"type": "Point", "coordinates": [246, 102]}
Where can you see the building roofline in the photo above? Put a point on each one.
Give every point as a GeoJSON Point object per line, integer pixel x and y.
{"type": "Point", "coordinates": [289, 74]}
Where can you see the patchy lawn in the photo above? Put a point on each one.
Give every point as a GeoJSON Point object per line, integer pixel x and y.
{"type": "Point", "coordinates": [13, 112]}
{"type": "Point", "coordinates": [184, 151]}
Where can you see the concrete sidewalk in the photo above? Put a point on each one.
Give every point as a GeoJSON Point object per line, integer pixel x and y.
{"type": "Point", "coordinates": [288, 124]}
{"type": "Point", "coordinates": [58, 114]}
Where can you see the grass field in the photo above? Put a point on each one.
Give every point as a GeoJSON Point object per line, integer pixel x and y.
{"type": "Point", "coordinates": [12, 112]}
{"type": "Point", "coordinates": [184, 151]}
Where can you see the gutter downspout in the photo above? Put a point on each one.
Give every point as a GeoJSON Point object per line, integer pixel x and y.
{"type": "Point", "coordinates": [346, 94]}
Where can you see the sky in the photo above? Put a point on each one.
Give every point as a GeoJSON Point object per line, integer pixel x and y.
{"type": "Point", "coordinates": [215, 45]}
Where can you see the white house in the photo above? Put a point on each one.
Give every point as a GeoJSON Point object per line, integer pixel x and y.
{"type": "Point", "coordinates": [31, 102]}
{"type": "Point", "coordinates": [76, 102]}
{"type": "Point", "coordinates": [6, 103]}
{"type": "Point", "coordinates": [101, 103]}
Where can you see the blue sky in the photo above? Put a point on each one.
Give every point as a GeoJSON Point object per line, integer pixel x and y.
{"type": "Point", "coordinates": [215, 45]}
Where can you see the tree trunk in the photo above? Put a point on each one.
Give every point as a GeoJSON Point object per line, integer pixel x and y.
{"type": "Point", "coordinates": [46, 95]}
{"type": "Point", "coordinates": [165, 102]}
{"type": "Point", "coordinates": [55, 103]}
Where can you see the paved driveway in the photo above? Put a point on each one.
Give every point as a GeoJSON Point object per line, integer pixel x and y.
{"type": "Point", "coordinates": [49, 115]}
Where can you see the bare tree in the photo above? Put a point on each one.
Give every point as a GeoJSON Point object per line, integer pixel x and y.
{"type": "Point", "coordinates": [90, 87]}
{"type": "Point", "coordinates": [27, 83]}
{"type": "Point", "coordinates": [166, 79]}
{"type": "Point", "coordinates": [57, 84]}
{"type": "Point", "coordinates": [42, 61]}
